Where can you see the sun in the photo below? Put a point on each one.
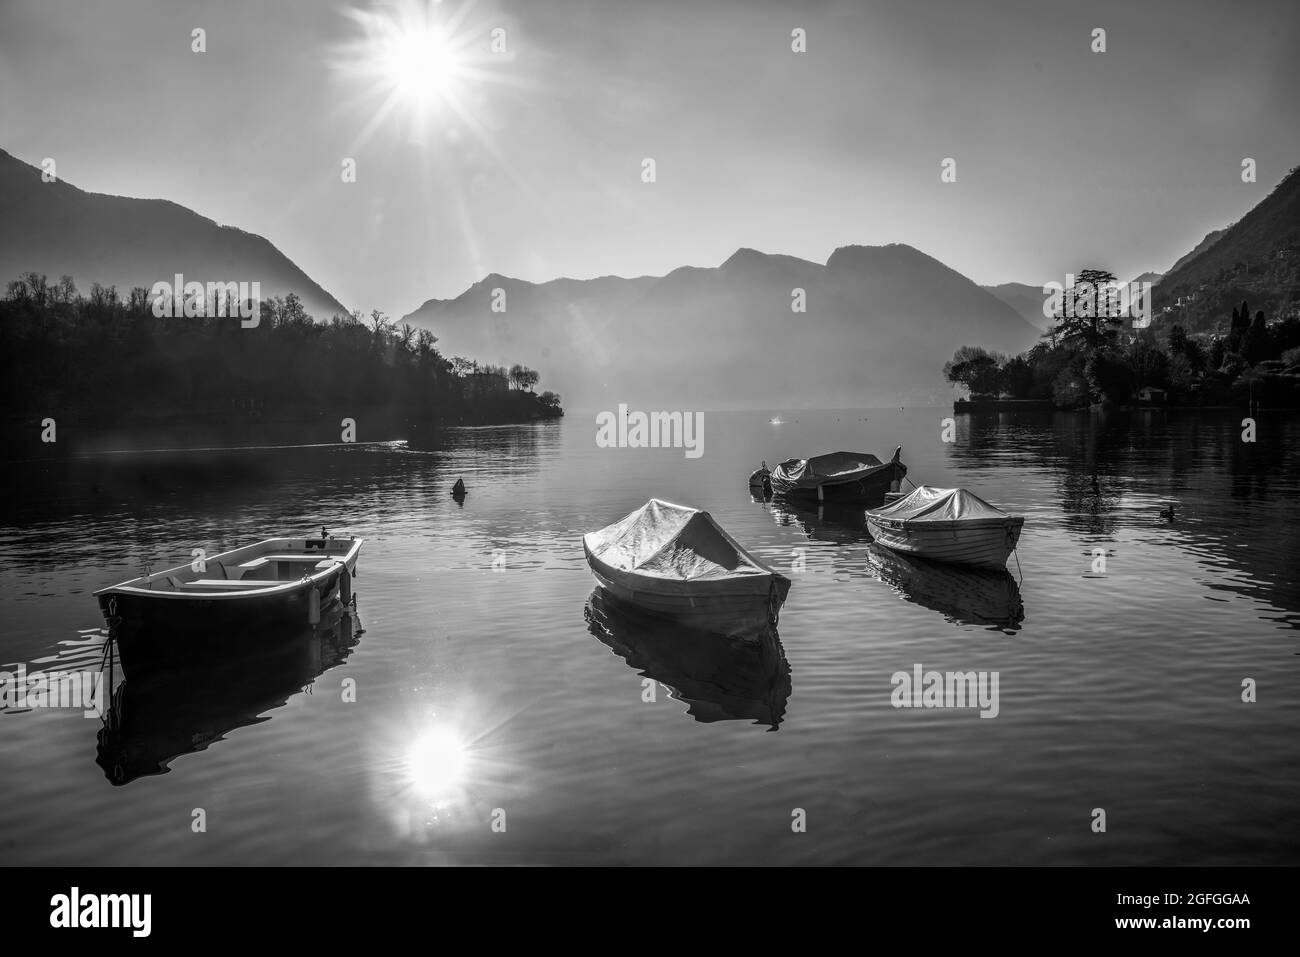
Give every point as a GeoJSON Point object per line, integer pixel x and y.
{"type": "Point", "coordinates": [421, 64]}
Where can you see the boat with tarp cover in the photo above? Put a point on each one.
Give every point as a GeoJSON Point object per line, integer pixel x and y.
{"type": "Point", "coordinates": [947, 525]}
{"type": "Point", "coordinates": [676, 561]}
{"type": "Point", "coordinates": [844, 478]}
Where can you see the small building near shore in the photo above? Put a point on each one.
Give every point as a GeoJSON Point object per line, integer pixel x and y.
{"type": "Point", "coordinates": [1152, 395]}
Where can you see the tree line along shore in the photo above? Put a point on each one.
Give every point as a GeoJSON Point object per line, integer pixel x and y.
{"type": "Point", "coordinates": [98, 362]}
{"type": "Point", "coordinates": [1102, 361]}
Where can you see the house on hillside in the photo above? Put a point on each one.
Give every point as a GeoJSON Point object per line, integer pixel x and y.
{"type": "Point", "coordinates": [1151, 395]}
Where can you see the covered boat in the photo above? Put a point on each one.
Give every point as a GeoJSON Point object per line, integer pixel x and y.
{"type": "Point", "coordinates": [677, 562]}
{"type": "Point", "coordinates": [947, 525]}
{"type": "Point", "coordinates": [845, 478]}
{"type": "Point", "coordinates": [168, 618]}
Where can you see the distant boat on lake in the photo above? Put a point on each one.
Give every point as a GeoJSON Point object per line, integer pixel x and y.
{"type": "Point", "coordinates": [676, 561]}
{"type": "Point", "coordinates": [845, 478]}
{"type": "Point", "coordinates": [216, 604]}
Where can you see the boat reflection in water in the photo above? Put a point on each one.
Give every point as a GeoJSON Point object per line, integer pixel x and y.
{"type": "Point", "coordinates": [836, 524]}
{"type": "Point", "coordinates": [720, 677]}
{"type": "Point", "coordinates": [962, 594]}
{"type": "Point", "coordinates": [159, 716]}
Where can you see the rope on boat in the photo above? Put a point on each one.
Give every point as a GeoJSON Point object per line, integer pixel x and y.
{"type": "Point", "coordinates": [112, 619]}
{"type": "Point", "coordinates": [773, 603]}
{"type": "Point", "coordinates": [104, 655]}
{"type": "Point", "coordinates": [107, 658]}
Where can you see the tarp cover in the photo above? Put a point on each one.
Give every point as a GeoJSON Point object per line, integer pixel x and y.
{"type": "Point", "coordinates": [673, 542]}
{"type": "Point", "coordinates": [930, 504]}
{"type": "Point", "coordinates": [828, 469]}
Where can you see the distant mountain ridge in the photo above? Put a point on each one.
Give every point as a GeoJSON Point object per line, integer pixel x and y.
{"type": "Point", "coordinates": [57, 229]}
{"type": "Point", "coordinates": [879, 323]}
{"type": "Point", "coordinates": [1026, 300]}
{"type": "Point", "coordinates": [1256, 259]}
{"type": "Point", "coordinates": [1210, 239]}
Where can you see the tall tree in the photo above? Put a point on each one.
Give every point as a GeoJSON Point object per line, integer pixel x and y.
{"type": "Point", "coordinates": [1089, 319]}
{"type": "Point", "coordinates": [974, 367]}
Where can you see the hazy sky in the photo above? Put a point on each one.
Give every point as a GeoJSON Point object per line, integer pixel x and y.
{"type": "Point", "coordinates": [529, 163]}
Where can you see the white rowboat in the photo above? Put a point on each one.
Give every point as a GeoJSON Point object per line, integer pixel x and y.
{"type": "Point", "coordinates": [947, 525]}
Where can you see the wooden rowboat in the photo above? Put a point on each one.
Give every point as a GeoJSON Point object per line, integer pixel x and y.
{"type": "Point", "coordinates": [947, 525]}
{"type": "Point", "coordinates": [166, 618]}
{"type": "Point", "coordinates": [843, 478]}
{"type": "Point", "coordinates": [677, 562]}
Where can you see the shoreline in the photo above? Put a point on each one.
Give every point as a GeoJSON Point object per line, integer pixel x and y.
{"type": "Point", "coordinates": [967, 407]}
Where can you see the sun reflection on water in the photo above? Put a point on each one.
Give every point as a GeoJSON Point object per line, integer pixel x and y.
{"type": "Point", "coordinates": [437, 763]}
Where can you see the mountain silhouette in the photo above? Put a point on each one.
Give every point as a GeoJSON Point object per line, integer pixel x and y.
{"type": "Point", "coordinates": [57, 229]}
{"type": "Point", "coordinates": [1026, 300]}
{"type": "Point", "coordinates": [1257, 259]}
{"type": "Point", "coordinates": [879, 323]}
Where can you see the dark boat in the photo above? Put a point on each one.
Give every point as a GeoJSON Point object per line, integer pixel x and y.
{"type": "Point", "coordinates": [841, 478]}
{"type": "Point", "coordinates": [718, 677]}
{"type": "Point", "coordinates": [219, 604]}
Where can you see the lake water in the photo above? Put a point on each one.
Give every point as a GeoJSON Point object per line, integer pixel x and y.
{"type": "Point", "coordinates": [489, 687]}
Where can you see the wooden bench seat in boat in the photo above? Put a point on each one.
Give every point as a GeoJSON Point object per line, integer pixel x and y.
{"type": "Point", "coordinates": [301, 559]}
{"type": "Point", "coordinates": [225, 583]}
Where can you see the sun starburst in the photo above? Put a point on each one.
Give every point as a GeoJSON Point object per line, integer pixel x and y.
{"type": "Point", "coordinates": [418, 64]}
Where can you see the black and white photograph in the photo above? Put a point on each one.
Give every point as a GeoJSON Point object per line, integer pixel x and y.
{"type": "Point", "coordinates": [735, 433]}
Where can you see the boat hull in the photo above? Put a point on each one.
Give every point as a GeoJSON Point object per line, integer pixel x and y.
{"type": "Point", "coordinates": [156, 635]}
{"type": "Point", "coordinates": [985, 543]}
{"type": "Point", "coordinates": [727, 606]}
